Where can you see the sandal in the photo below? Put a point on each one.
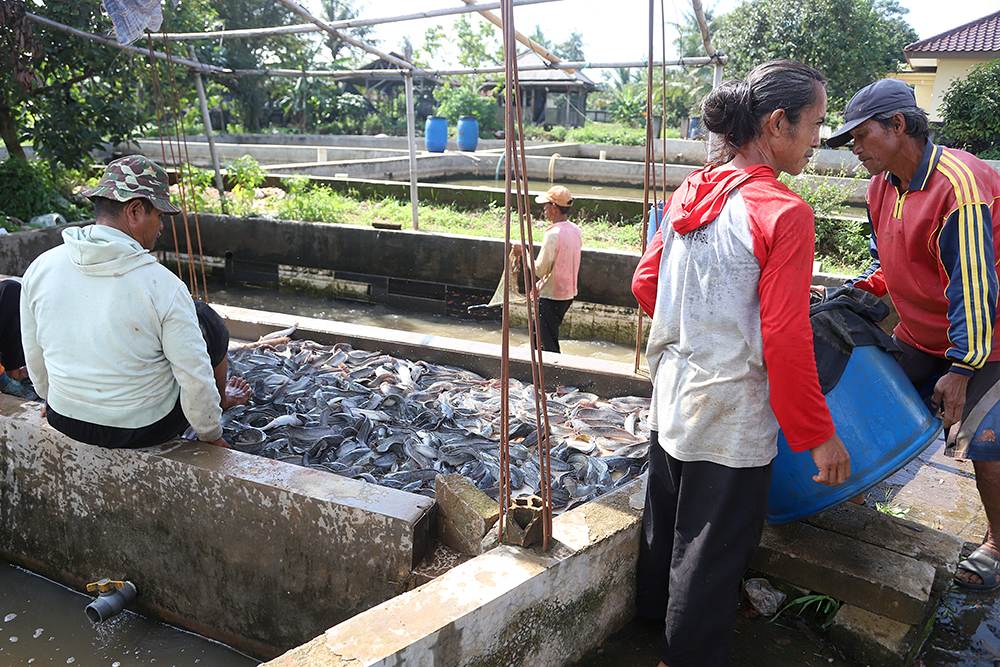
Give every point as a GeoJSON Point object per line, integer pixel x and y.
{"type": "Point", "coordinates": [984, 564]}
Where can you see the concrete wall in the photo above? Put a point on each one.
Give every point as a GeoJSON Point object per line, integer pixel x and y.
{"type": "Point", "coordinates": [259, 554]}
{"type": "Point", "coordinates": [566, 162]}
{"type": "Point", "coordinates": [468, 261]}
{"type": "Point", "coordinates": [510, 606]}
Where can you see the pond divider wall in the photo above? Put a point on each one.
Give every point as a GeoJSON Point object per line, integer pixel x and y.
{"type": "Point", "coordinates": [418, 271]}
{"type": "Point", "coordinates": [259, 554]}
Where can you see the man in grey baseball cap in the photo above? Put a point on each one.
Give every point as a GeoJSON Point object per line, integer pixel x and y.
{"type": "Point", "coordinates": [880, 97]}
{"type": "Point", "coordinates": [935, 216]}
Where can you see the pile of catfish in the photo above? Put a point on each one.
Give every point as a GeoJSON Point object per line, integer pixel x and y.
{"type": "Point", "coordinates": [399, 423]}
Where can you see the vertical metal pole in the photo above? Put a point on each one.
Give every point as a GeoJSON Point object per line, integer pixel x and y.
{"type": "Point", "coordinates": [411, 135]}
{"type": "Point", "coordinates": [206, 120]}
{"type": "Point", "coordinates": [715, 143]}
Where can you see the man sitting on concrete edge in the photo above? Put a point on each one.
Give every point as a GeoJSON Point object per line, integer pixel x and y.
{"type": "Point", "coordinates": [114, 343]}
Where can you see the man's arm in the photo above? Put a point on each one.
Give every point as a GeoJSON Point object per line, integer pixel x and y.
{"type": "Point", "coordinates": [966, 251]}
{"type": "Point", "coordinates": [185, 349]}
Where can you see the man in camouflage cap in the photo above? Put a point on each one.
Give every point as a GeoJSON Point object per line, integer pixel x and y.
{"type": "Point", "coordinates": [114, 343]}
{"type": "Point", "coordinates": [135, 176]}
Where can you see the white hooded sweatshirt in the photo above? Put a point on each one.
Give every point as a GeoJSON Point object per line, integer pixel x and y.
{"type": "Point", "coordinates": [111, 337]}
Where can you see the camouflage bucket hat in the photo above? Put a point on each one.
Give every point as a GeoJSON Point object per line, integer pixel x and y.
{"type": "Point", "coordinates": [135, 176]}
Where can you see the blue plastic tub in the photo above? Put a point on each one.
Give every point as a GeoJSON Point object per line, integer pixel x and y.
{"type": "Point", "coordinates": [436, 134]}
{"type": "Point", "coordinates": [468, 133]}
{"type": "Point", "coordinates": [883, 424]}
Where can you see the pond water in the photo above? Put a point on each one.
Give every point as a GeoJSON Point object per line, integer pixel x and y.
{"type": "Point", "coordinates": [597, 190]}
{"type": "Point", "coordinates": [576, 189]}
{"type": "Point", "coordinates": [378, 315]}
{"type": "Point", "coordinates": [43, 623]}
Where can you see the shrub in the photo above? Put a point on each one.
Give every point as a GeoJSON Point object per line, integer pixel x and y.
{"type": "Point", "coordinates": [246, 172]}
{"type": "Point", "coordinates": [458, 101]}
{"type": "Point", "coordinates": [971, 109]}
{"type": "Point", "coordinates": [28, 189]}
{"type": "Point", "coordinates": [841, 242]}
{"type": "Point", "coordinates": [991, 153]}
{"type": "Point", "coordinates": [607, 133]}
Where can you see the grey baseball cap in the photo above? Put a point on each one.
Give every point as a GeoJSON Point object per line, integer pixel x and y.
{"type": "Point", "coordinates": [879, 97]}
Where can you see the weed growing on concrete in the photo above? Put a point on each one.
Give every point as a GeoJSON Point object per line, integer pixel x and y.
{"type": "Point", "coordinates": [890, 507]}
{"type": "Point", "coordinates": [824, 605]}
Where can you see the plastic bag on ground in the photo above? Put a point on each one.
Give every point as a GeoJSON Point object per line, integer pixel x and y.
{"type": "Point", "coordinates": [764, 597]}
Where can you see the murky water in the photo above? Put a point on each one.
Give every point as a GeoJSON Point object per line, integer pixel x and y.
{"type": "Point", "coordinates": [382, 316]}
{"type": "Point", "coordinates": [597, 190]}
{"type": "Point", "coordinates": [43, 623]}
{"type": "Point", "coordinates": [576, 189]}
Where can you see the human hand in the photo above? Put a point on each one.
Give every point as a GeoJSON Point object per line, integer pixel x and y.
{"type": "Point", "coordinates": [949, 397]}
{"type": "Point", "coordinates": [517, 250]}
{"type": "Point", "coordinates": [221, 442]}
{"type": "Point", "coordinates": [19, 374]}
{"type": "Point", "coordinates": [832, 461]}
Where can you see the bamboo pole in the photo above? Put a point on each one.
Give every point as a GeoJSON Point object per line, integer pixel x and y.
{"type": "Point", "coordinates": [347, 74]}
{"type": "Point", "coordinates": [527, 41]}
{"type": "Point", "coordinates": [206, 120]}
{"type": "Point", "coordinates": [304, 13]}
{"type": "Point", "coordinates": [337, 25]}
{"type": "Point", "coordinates": [411, 138]}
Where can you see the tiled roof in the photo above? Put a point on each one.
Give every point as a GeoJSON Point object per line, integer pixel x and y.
{"type": "Point", "coordinates": [981, 35]}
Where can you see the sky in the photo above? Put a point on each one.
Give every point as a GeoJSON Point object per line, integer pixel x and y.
{"type": "Point", "coordinates": [621, 33]}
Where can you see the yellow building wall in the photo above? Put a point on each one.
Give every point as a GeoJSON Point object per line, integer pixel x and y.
{"type": "Point", "coordinates": [947, 71]}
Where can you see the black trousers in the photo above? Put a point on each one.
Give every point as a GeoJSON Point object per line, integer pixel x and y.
{"type": "Point", "coordinates": [701, 527]}
{"type": "Point", "coordinates": [216, 336]}
{"type": "Point", "coordinates": [11, 352]}
{"type": "Point", "coordinates": [550, 315]}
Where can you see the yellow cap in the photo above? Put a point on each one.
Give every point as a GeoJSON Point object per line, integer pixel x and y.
{"type": "Point", "coordinates": [558, 195]}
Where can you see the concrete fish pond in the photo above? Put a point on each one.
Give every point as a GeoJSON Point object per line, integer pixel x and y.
{"type": "Point", "coordinates": [399, 423]}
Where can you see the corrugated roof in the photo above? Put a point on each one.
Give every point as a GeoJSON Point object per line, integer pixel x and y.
{"type": "Point", "coordinates": [979, 36]}
{"type": "Point", "coordinates": [554, 76]}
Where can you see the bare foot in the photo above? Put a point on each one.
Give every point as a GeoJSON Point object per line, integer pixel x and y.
{"type": "Point", "coordinates": [237, 393]}
{"type": "Point", "coordinates": [858, 499]}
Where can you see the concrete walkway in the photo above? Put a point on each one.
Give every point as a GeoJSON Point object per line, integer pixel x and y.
{"type": "Point", "coordinates": [932, 490]}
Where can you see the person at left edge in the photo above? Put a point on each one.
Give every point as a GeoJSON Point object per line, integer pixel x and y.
{"type": "Point", "coordinates": [113, 341]}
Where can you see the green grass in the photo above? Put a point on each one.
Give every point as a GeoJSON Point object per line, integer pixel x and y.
{"type": "Point", "coordinates": [841, 246]}
{"type": "Point", "coordinates": [323, 205]}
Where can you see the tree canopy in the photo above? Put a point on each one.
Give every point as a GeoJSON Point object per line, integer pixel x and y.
{"type": "Point", "coordinates": [853, 42]}
{"type": "Point", "coordinates": [62, 93]}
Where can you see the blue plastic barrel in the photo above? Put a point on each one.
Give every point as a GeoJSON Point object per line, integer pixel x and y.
{"type": "Point", "coordinates": [436, 134]}
{"type": "Point", "coordinates": [468, 133]}
{"type": "Point", "coordinates": [884, 425]}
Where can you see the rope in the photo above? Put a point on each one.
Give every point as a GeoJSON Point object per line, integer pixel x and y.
{"type": "Point", "coordinates": [165, 131]}
{"type": "Point", "coordinates": [182, 183]}
{"type": "Point", "coordinates": [161, 123]}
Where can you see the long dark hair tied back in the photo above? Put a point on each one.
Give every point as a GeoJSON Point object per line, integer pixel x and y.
{"type": "Point", "coordinates": [734, 109]}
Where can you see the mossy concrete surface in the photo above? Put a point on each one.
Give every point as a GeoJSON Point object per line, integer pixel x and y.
{"type": "Point", "coordinates": [256, 553]}
{"type": "Point", "coordinates": [510, 606]}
